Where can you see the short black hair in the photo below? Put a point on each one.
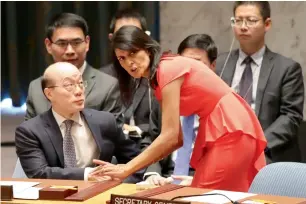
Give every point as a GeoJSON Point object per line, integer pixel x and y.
{"type": "Point", "coordinates": [128, 13]}
{"type": "Point", "coordinates": [200, 41]}
{"type": "Point", "coordinates": [264, 7]}
{"type": "Point", "coordinates": [66, 20]}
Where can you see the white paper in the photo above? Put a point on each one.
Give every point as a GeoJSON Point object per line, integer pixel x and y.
{"type": "Point", "coordinates": [219, 199]}
{"type": "Point", "coordinates": [251, 202]}
{"type": "Point", "coordinates": [19, 186]}
{"type": "Point", "coordinates": [31, 193]}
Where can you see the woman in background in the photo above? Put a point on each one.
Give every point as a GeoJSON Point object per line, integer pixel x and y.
{"type": "Point", "coordinates": [229, 147]}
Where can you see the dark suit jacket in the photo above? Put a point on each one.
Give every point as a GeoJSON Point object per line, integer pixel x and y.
{"type": "Point", "coordinates": [109, 69]}
{"type": "Point", "coordinates": [39, 145]}
{"type": "Point", "coordinates": [148, 121]}
{"type": "Point", "coordinates": [165, 166]}
{"type": "Point", "coordinates": [140, 108]}
{"type": "Point", "coordinates": [102, 93]}
{"type": "Point", "coordinates": [279, 101]}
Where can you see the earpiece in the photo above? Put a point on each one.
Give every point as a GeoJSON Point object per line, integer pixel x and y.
{"type": "Point", "coordinates": [232, 21]}
{"type": "Point", "coordinates": [148, 32]}
{"type": "Point", "coordinates": [232, 44]}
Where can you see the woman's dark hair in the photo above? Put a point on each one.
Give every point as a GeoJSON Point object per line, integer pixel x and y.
{"type": "Point", "coordinates": [200, 41]}
{"type": "Point", "coordinates": [133, 39]}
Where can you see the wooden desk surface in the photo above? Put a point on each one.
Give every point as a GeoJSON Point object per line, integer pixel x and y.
{"type": "Point", "coordinates": [122, 189]}
{"type": "Point", "coordinates": [127, 189]}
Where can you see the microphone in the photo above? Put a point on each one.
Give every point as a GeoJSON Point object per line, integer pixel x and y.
{"type": "Point", "coordinates": [208, 194]}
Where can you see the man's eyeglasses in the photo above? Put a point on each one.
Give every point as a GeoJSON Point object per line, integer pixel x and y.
{"type": "Point", "coordinates": [249, 22]}
{"type": "Point", "coordinates": [72, 87]}
{"type": "Point", "coordinates": [64, 43]}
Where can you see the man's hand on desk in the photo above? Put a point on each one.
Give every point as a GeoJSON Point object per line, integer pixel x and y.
{"type": "Point", "coordinates": [185, 180]}
{"type": "Point", "coordinates": [158, 180]}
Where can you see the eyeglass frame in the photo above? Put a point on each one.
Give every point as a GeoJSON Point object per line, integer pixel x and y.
{"type": "Point", "coordinates": [72, 85]}
{"type": "Point", "coordinates": [245, 21]}
{"type": "Point", "coordinates": [69, 42]}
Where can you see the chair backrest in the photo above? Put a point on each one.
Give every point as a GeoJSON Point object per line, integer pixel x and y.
{"type": "Point", "coordinates": [282, 179]}
{"type": "Point", "coordinates": [18, 171]}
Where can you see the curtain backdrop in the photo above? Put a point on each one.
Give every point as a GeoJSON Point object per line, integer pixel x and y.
{"type": "Point", "coordinates": [23, 53]}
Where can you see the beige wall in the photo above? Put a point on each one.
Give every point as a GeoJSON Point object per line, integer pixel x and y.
{"type": "Point", "coordinates": [287, 36]}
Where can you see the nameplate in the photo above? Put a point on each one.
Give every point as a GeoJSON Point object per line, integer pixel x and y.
{"type": "Point", "coordinates": [57, 192]}
{"type": "Point", "coordinates": [119, 199]}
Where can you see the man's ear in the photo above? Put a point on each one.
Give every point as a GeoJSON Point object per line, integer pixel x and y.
{"type": "Point", "coordinates": [87, 40]}
{"type": "Point", "coordinates": [48, 93]}
{"type": "Point", "coordinates": [268, 24]}
{"type": "Point", "coordinates": [110, 36]}
{"type": "Point", "coordinates": [48, 45]}
{"type": "Point", "coordinates": [213, 65]}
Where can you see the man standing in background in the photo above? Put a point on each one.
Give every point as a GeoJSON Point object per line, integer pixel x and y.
{"type": "Point", "coordinates": [271, 83]}
{"type": "Point", "coordinates": [67, 40]}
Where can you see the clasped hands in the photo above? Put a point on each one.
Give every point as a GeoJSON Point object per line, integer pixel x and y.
{"type": "Point", "coordinates": [107, 171]}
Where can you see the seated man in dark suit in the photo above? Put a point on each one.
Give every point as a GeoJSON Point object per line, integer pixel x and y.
{"type": "Point", "coordinates": [157, 172]}
{"type": "Point", "coordinates": [67, 40]}
{"type": "Point", "coordinates": [62, 142]}
{"type": "Point", "coordinates": [136, 114]}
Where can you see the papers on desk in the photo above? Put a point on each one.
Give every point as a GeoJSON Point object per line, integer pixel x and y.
{"type": "Point", "coordinates": [219, 199]}
{"type": "Point", "coordinates": [22, 189]}
{"type": "Point", "coordinates": [31, 193]}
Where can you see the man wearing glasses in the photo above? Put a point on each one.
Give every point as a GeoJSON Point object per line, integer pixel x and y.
{"type": "Point", "coordinates": [271, 83]}
{"type": "Point", "coordinates": [67, 40]}
{"type": "Point", "coordinates": [62, 142]}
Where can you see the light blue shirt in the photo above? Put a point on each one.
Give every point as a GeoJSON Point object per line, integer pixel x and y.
{"type": "Point", "coordinates": [183, 154]}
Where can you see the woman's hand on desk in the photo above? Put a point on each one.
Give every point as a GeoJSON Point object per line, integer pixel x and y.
{"type": "Point", "coordinates": [99, 178]}
{"type": "Point", "coordinates": [107, 169]}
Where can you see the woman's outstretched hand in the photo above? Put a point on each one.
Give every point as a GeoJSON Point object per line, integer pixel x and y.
{"type": "Point", "coordinates": [116, 172]}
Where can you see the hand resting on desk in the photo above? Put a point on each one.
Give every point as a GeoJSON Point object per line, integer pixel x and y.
{"type": "Point", "coordinates": [109, 170]}
{"type": "Point", "coordinates": [160, 181]}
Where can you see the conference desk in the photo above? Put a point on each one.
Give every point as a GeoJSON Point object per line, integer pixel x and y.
{"type": "Point", "coordinates": [122, 189]}
{"type": "Point", "coordinates": [128, 189]}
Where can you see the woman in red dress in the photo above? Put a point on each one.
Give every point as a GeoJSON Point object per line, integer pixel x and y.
{"type": "Point", "coordinates": [229, 147]}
